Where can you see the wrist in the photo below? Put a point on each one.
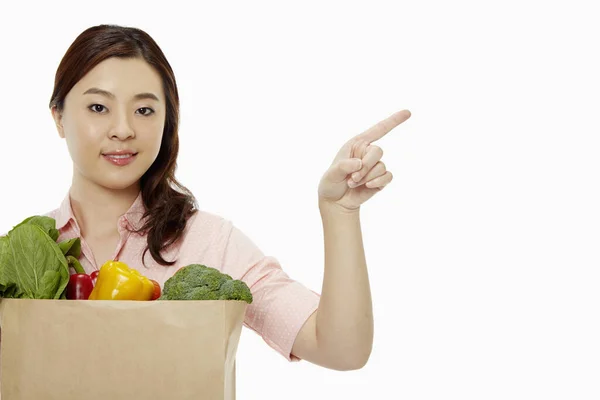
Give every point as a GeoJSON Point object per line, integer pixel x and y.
{"type": "Point", "coordinates": [330, 208]}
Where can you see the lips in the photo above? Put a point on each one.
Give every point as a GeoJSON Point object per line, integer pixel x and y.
{"type": "Point", "coordinates": [120, 157]}
{"type": "Point", "coordinates": [120, 153]}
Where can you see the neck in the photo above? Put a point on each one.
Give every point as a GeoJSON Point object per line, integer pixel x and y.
{"type": "Point", "coordinates": [97, 209]}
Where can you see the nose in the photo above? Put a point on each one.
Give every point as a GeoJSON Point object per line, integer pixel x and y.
{"type": "Point", "coordinates": [121, 129]}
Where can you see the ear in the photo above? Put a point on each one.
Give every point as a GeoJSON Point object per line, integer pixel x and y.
{"type": "Point", "coordinates": [58, 121]}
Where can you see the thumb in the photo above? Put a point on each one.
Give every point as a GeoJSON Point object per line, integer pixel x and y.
{"type": "Point", "coordinates": [339, 171]}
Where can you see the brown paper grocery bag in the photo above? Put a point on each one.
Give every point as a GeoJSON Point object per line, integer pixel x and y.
{"type": "Point", "coordinates": [87, 350]}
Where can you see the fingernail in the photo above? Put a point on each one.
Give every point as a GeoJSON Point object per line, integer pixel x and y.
{"type": "Point", "coordinates": [351, 184]}
{"type": "Point", "coordinates": [356, 176]}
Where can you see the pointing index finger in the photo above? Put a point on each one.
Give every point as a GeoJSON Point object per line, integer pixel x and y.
{"type": "Point", "coordinates": [379, 130]}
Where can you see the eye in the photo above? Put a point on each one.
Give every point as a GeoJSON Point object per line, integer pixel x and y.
{"type": "Point", "coordinates": [147, 108]}
{"type": "Point", "coordinates": [94, 108]}
{"type": "Point", "coordinates": [98, 107]}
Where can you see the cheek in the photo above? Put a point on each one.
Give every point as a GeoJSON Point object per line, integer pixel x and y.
{"type": "Point", "coordinates": [150, 136]}
{"type": "Point", "coordinates": [83, 142]}
{"type": "Point", "coordinates": [153, 142]}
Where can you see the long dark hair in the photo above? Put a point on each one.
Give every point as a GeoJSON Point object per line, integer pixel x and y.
{"type": "Point", "coordinates": [168, 203]}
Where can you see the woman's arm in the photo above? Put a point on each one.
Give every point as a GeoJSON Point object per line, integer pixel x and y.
{"type": "Point", "coordinates": [340, 334]}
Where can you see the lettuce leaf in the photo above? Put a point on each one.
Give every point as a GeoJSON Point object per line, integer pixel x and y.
{"type": "Point", "coordinates": [32, 264]}
{"type": "Point", "coordinates": [8, 286]}
{"type": "Point", "coordinates": [46, 223]}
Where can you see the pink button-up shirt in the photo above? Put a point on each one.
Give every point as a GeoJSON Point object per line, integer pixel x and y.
{"type": "Point", "coordinates": [280, 305]}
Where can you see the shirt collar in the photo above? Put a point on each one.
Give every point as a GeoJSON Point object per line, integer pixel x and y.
{"type": "Point", "coordinates": [136, 212]}
{"type": "Point", "coordinates": [65, 213]}
{"type": "Point", "coordinates": [133, 215]}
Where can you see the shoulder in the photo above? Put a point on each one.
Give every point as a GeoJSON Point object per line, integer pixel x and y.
{"type": "Point", "coordinates": [207, 223]}
{"type": "Point", "coordinates": [52, 214]}
{"type": "Point", "coordinates": [222, 231]}
{"type": "Point", "coordinates": [204, 239]}
{"type": "Point", "coordinates": [60, 219]}
{"type": "Point", "coordinates": [217, 241]}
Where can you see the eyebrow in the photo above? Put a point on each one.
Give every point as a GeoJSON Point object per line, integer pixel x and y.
{"type": "Point", "coordinates": [139, 96]}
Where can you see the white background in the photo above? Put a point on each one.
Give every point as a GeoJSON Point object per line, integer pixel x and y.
{"type": "Point", "coordinates": [482, 252]}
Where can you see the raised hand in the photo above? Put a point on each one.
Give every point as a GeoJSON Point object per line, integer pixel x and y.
{"type": "Point", "coordinates": [357, 172]}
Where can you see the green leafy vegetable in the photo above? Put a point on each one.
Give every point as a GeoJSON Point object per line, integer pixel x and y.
{"type": "Point", "coordinates": [32, 265]}
{"type": "Point", "coordinates": [47, 224]}
{"type": "Point", "coordinates": [7, 269]}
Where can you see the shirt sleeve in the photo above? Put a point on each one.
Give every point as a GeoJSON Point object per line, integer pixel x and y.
{"type": "Point", "coordinates": [280, 305]}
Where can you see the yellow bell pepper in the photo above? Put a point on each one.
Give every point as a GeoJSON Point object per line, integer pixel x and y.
{"type": "Point", "coordinates": [116, 281]}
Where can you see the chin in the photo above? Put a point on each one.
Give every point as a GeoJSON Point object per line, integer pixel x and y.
{"type": "Point", "coordinates": [116, 178]}
{"type": "Point", "coordinates": [118, 181]}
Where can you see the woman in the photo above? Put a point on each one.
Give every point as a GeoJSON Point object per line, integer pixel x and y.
{"type": "Point", "coordinates": [115, 101]}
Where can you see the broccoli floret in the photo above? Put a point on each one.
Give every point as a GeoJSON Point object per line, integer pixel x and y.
{"type": "Point", "coordinates": [199, 282]}
{"type": "Point", "coordinates": [235, 290]}
{"type": "Point", "coordinates": [201, 293]}
{"type": "Point", "coordinates": [177, 290]}
{"type": "Point", "coordinates": [195, 275]}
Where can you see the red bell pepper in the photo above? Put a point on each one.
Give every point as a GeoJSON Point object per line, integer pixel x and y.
{"type": "Point", "coordinates": [157, 290]}
{"type": "Point", "coordinates": [94, 276]}
{"type": "Point", "coordinates": [80, 284]}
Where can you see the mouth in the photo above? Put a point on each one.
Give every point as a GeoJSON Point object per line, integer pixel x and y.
{"type": "Point", "coordinates": [119, 155]}
{"type": "Point", "coordinates": [120, 152]}
{"type": "Point", "coordinates": [120, 158]}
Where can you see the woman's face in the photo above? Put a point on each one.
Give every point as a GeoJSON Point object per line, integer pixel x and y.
{"type": "Point", "coordinates": [112, 124]}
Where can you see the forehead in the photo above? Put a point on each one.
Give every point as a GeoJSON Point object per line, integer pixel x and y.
{"type": "Point", "coordinates": [123, 77]}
